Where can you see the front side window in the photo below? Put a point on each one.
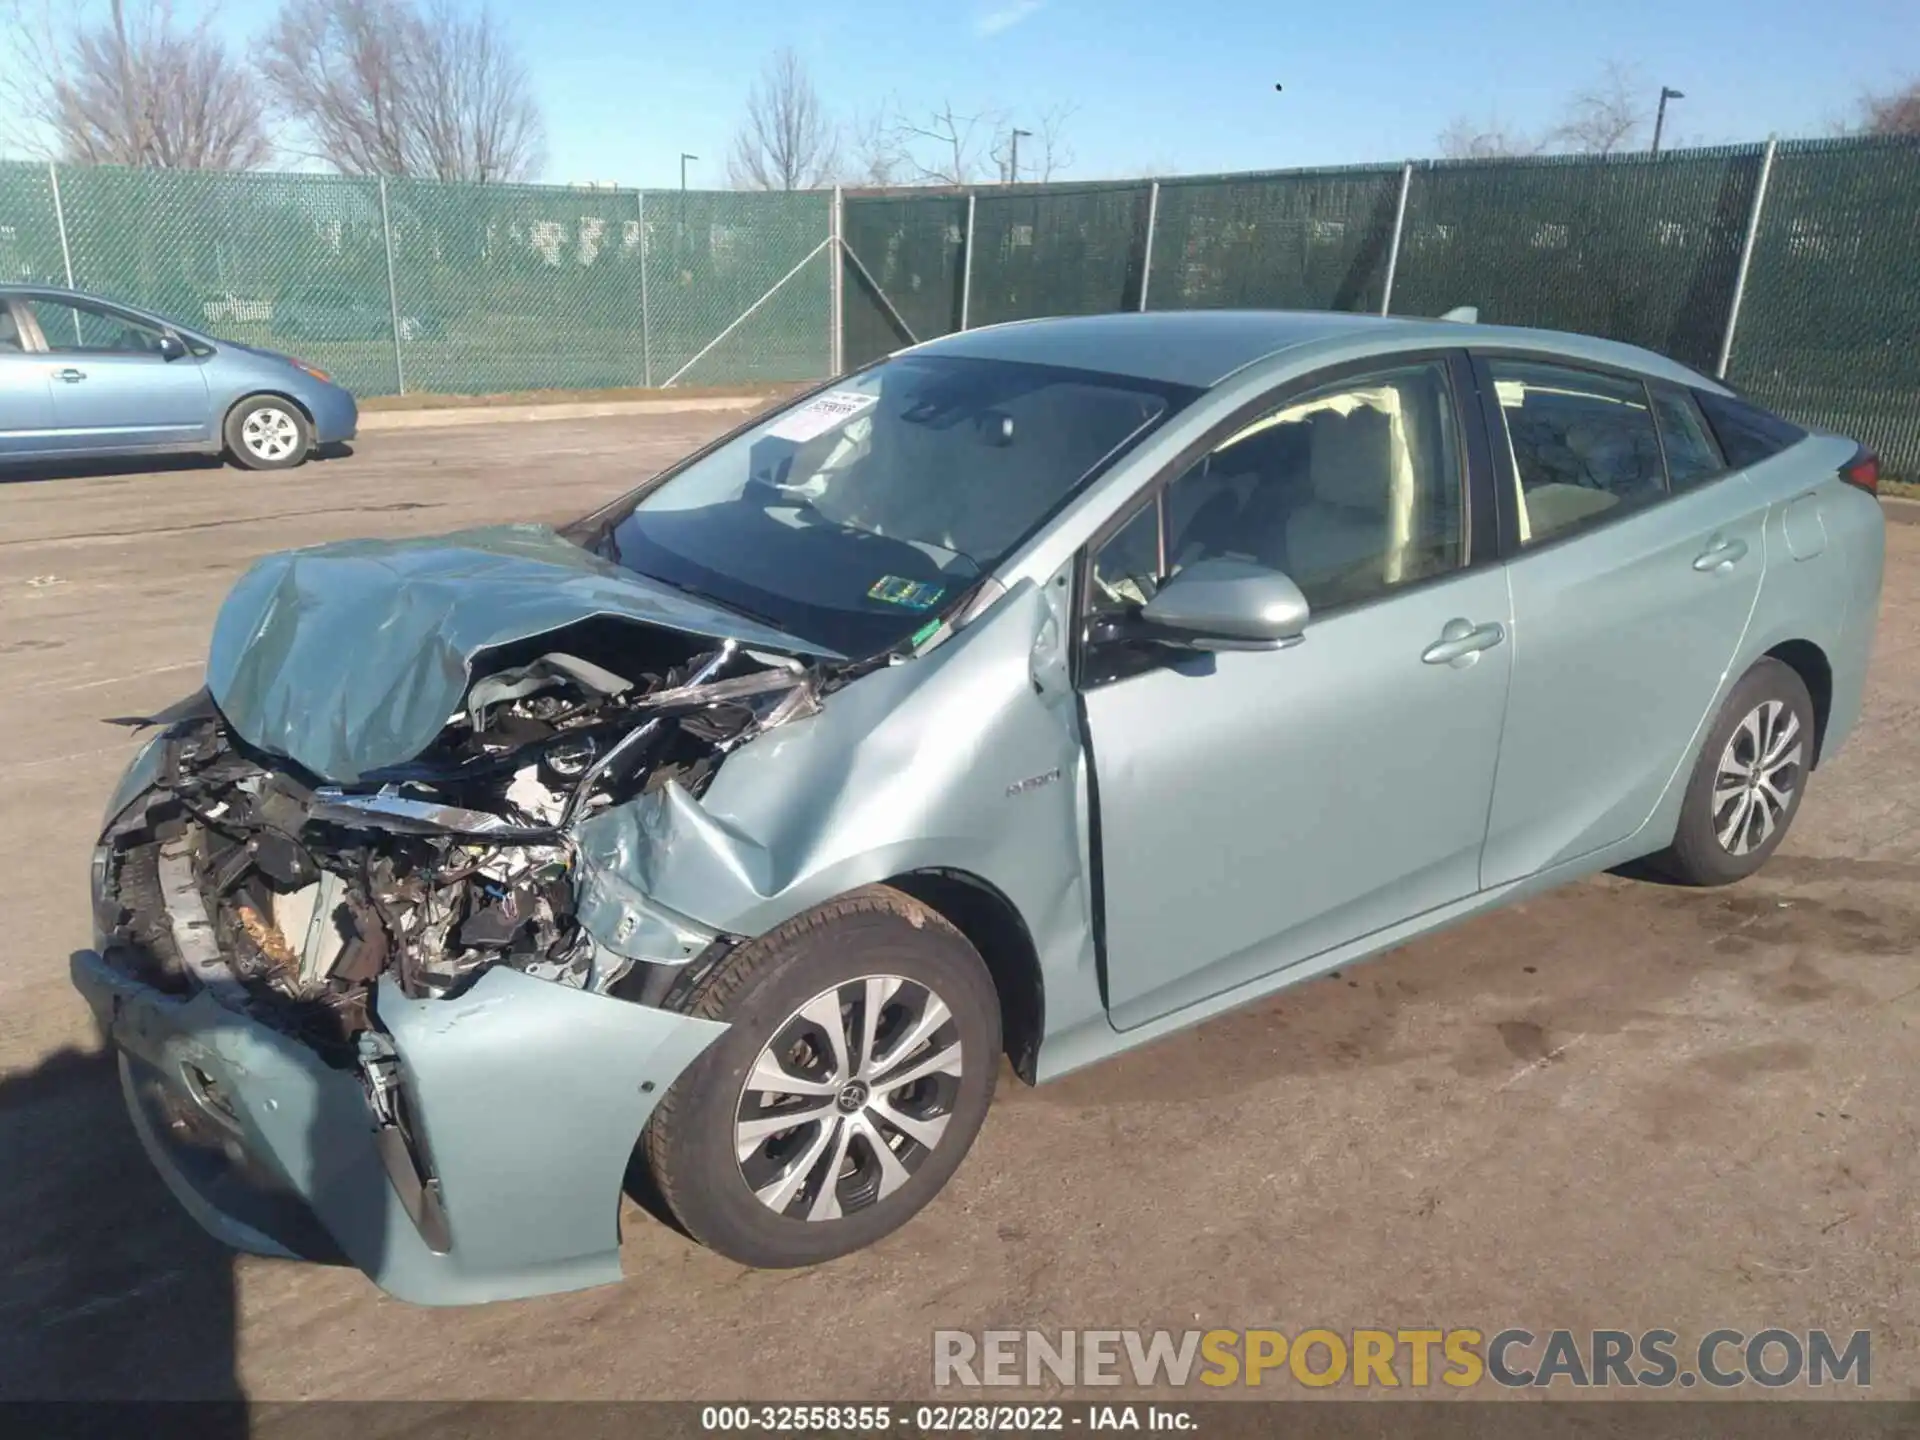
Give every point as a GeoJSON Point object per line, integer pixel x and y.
{"type": "Point", "coordinates": [1584, 446]}
{"type": "Point", "coordinates": [72, 328]}
{"type": "Point", "coordinates": [1351, 490]}
{"type": "Point", "coordinates": [856, 517]}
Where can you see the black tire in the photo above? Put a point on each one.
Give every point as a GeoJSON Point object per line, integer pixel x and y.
{"type": "Point", "coordinates": [267, 432]}
{"type": "Point", "coordinates": [1698, 856]}
{"type": "Point", "coordinates": [690, 1144]}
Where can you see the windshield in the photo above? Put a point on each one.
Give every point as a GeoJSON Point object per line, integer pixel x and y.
{"type": "Point", "coordinates": [862, 514]}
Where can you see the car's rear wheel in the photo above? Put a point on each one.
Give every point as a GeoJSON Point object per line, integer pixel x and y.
{"type": "Point", "coordinates": [863, 1043]}
{"type": "Point", "coordinates": [1747, 784]}
{"type": "Point", "coordinates": [265, 432]}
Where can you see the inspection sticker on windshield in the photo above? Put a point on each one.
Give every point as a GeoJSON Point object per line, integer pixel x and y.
{"type": "Point", "coordinates": [909, 594]}
{"type": "Point", "coordinates": [821, 414]}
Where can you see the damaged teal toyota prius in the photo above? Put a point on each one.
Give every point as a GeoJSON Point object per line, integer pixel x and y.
{"type": "Point", "coordinates": [1033, 692]}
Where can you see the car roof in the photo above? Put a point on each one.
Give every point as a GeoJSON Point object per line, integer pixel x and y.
{"type": "Point", "coordinates": [1203, 347]}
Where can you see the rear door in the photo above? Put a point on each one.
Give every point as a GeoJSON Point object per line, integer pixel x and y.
{"type": "Point", "coordinates": [26, 400]}
{"type": "Point", "coordinates": [111, 387]}
{"type": "Point", "coordinates": [1630, 599]}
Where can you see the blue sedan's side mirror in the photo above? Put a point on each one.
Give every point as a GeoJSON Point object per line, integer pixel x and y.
{"type": "Point", "coordinates": [172, 347]}
{"type": "Point", "coordinates": [1223, 604]}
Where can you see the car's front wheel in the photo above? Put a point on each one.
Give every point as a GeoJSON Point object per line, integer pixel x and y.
{"type": "Point", "coordinates": [860, 1058]}
{"type": "Point", "coordinates": [265, 432]}
{"type": "Point", "coordinates": [1746, 785]}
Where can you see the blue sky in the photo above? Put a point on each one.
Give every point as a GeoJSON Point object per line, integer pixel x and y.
{"type": "Point", "coordinates": [1186, 85]}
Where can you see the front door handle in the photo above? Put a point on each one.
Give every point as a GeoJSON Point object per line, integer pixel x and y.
{"type": "Point", "coordinates": [1462, 640]}
{"type": "Point", "coordinates": [1721, 555]}
{"type": "Point", "coordinates": [70, 375]}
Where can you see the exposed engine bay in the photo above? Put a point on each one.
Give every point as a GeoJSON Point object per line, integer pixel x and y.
{"type": "Point", "coordinates": [289, 897]}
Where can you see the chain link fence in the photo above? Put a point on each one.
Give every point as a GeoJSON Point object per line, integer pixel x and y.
{"type": "Point", "coordinates": [1795, 269]}
{"type": "Point", "coordinates": [410, 285]}
{"type": "Point", "coordinates": [1639, 248]}
{"type": "Point", "coordinates": [1829, 326]}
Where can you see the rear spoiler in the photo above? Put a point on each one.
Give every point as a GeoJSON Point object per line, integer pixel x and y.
{"type": "Point", "coordinates": [1463, 315]}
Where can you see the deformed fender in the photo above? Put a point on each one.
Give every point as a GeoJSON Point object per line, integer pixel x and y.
{"type": "Point", "coordinates": [617, 911]}
{"type": "Point", "coordinates": [966, 758]}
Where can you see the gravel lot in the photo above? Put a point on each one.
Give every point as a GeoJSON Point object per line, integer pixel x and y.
{"type": "Point", "coordinates": [1620, 1106]}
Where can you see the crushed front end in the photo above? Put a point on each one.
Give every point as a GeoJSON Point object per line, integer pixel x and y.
{"type": "Point", "coordinates": [408, 1016]}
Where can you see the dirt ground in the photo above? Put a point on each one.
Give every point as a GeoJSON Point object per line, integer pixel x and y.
{"type": "Point", "coordinates": [1620, 1106]}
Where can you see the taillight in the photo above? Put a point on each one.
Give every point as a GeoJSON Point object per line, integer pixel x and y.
{"type": "Point", "coordinates": [1863, 470]}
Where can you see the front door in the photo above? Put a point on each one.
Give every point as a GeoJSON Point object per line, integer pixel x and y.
{"type": "Point", "coordinates": [111, 387]}
{"type": "Point", "coordinates": [1256, 809]}
{"type": "Point", "coordinates": [1629, 603]}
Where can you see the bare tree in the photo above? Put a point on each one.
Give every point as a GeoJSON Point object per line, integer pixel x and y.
{"type": "Point", "coordinates": [945, 148]}
{"type": "Point", "coordinates": [1897, 112]}
{"type": "Point", "coordinates": [394, 87]}
{"type": "Point", "coordinates": [786, 142]}
{"type": "Point", "coordinates": [1466, 139]}
{"type": "Point", "coordinates": [1047, 152]}
{"type": "Point", "coordinates": [130, 88]}
{"type": "Point", "coordinates": [1607, 115]}
{"type": "Point", "coordinates": [877, 156]}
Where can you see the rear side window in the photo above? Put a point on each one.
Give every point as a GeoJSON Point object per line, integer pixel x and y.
{"type": "Point", "coordinates": [1692, 457]}
{"type": "Point", "coordinates": [1584, 446]}
{"type": "Point", "coordinates": [1747, 434]}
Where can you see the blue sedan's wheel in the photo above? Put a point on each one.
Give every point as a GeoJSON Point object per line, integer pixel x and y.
{"type": "Point", "coordinates": [859, 1062]}
{"type": "Point", "coordinates": [265, 432]}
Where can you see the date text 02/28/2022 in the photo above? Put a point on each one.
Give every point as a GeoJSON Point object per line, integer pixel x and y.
{"type": "Point", "coordinates": [942, 1419]}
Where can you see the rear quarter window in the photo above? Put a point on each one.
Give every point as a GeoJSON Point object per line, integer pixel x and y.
{"type": "Point", "coordinates": [1747, 434]}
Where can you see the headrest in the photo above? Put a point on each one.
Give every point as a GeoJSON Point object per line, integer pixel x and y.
{"type": "Point", "coordinates": [1352, 463]}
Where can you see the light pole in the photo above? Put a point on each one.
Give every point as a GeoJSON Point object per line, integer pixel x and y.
{"type": "Point", "coordinates": [1660, 114]}
{"type": "Point", "coordinates": [1013, 160]}
{"type": "Point", "coordinates": [684, 157]}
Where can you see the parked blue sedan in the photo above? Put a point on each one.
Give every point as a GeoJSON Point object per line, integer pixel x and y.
{"type": "Point", "coordinates": [83, 377]}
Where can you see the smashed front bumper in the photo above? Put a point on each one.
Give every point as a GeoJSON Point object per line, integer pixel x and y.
{"type": "Point", "coordinates": [498, 1175]}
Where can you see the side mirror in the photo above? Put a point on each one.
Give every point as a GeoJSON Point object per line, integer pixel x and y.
{"type": "Point", "coordinates": [1223, 604]}
{"type": "Point", "coordinates": [172, 347]}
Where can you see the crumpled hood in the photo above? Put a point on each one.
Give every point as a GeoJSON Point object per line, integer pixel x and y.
{"type": "Point", "coordinates": [350, 657]}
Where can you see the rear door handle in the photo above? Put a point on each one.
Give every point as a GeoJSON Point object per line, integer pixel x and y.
{"type": "Point", "coordinates": [70, 375]}
{"type": "Point", "coordinates": [1720, 555]}
{"type": "Point", "coordinates": [1462, 640]}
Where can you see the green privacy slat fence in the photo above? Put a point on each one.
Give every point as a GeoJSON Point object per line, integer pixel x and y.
{"type": "Point", "coordinates": [427, 286]}
{"type": "Point", "coordinates": [1829, 328]}
{"type": "Point", "coordinates": [509, 287]}
{"type": "Point", "coordinates": [1309, 240]}
{"type": "Point", "coordinates": [29, 232]}
{"type": "Point", "coordinates": [288, 262]}
{"type": "Point", "coordinates": [423, 286]}
{"type": "Point", "coordinates": [901, 271]}
{"type": "Point", "coordinates": [1634, 248]}
{"type": "Point", "coordinates": [1073, 250]}
{"type": "Point", "coordinates": [711, 257]}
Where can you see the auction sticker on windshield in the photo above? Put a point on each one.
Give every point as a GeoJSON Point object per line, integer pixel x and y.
{"type": "Point", "coordinates": [820, 415]}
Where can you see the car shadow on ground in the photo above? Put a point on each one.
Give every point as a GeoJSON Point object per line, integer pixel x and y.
{"type": "Point", "coordinates": [21, 472]}
{"type": "Point", "coordinates": [108, 1291]}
